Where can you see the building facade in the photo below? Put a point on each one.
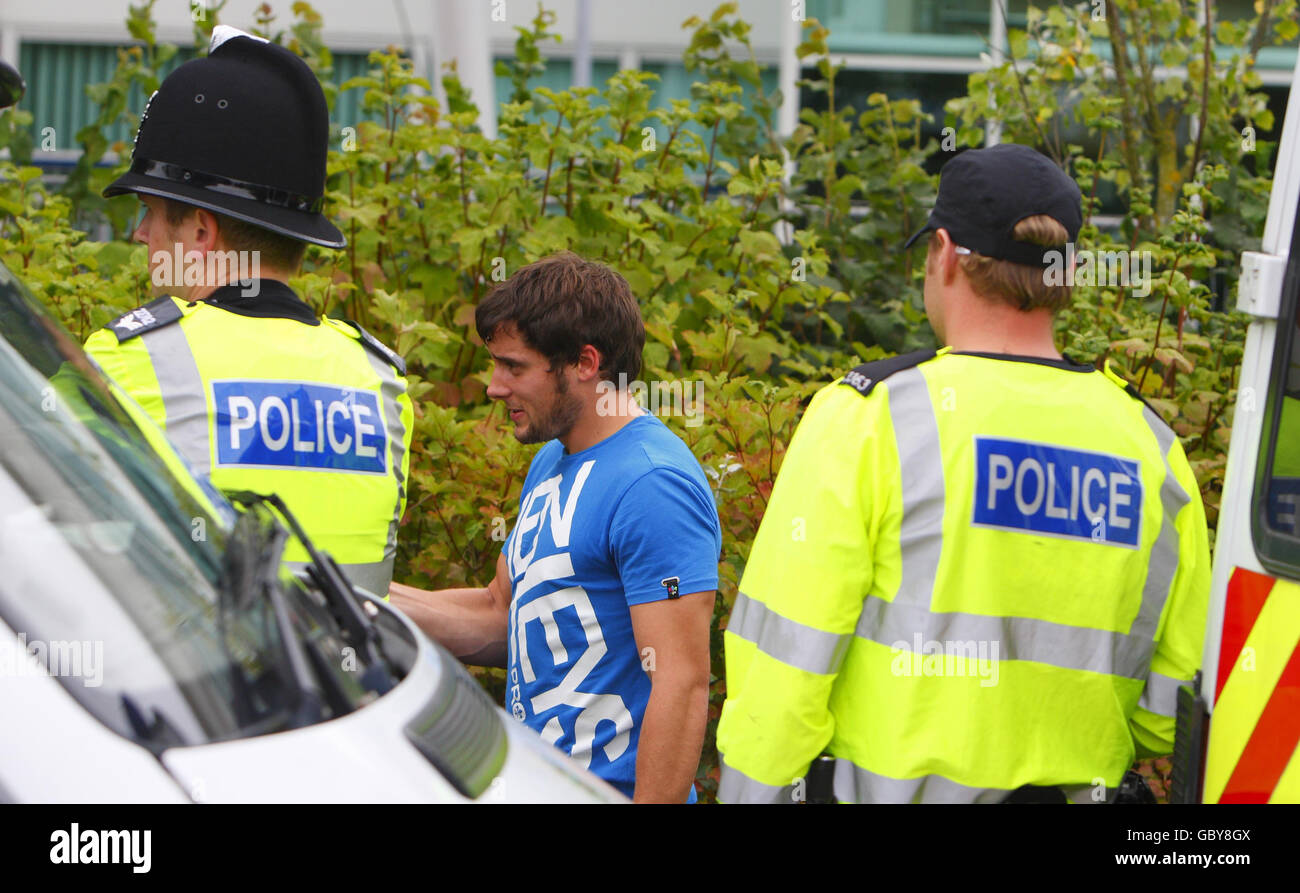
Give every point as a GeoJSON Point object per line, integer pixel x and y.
{"type": "Point", "coordinates": [919, 49]}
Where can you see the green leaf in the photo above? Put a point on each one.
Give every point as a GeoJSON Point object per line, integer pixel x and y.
{"type": "Point", "coordinates": [1018, 43]}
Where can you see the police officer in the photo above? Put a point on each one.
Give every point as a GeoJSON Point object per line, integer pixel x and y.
{"type": "Point", "coordinates": [252, 387]}
{"type": "Point", "coordinates": [983, 572]}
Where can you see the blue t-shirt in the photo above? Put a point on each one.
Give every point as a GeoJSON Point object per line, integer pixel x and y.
{"type": "Point", "coordinates": [599, 531]}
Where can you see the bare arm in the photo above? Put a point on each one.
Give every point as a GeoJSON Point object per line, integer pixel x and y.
{"type": "Point", "coordinates": [673, 639]}
{"type": "Point", "coordinates": [471, 623]}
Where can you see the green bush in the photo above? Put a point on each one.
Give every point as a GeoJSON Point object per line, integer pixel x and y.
{"type": "Point", "coordinates": [759, 288]}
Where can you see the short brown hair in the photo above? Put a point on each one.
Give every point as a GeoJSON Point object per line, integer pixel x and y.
{"type": "Point", "coordinates": [276, 251]}
{"type": "Point", "coordinates": [560, 304]}
{"type": "Point", "coordinates": [1023, 287]}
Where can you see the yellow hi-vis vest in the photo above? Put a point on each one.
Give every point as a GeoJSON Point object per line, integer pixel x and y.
{"type": "Point", "coordinates": [83, 398]}
{"type": "Point", "coordinates": [318, 414]}
{"type": "Point", "coordinates": [975, 572]}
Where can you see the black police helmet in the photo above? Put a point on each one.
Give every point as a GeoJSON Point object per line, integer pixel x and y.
{"type": "Point", "coordinates": [12, 85]}
{"type": "Point", "coordinates": [243, 132]}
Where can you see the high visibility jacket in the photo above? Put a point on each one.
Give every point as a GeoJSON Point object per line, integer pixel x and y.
{"type": "Point", "coordinates": [81, 396]}
{"type": "Point", "coordinates": [318, 414]}
{"type": "Point", "coordinates": [975, 572]}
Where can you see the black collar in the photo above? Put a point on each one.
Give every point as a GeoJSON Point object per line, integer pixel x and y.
{"type": "Point", "coordinates": [1065, 363]}
{"type": "Point", "coordinates": [274, 299]}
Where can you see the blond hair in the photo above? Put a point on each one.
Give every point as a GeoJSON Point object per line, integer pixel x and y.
{"type": "Point", "coordinates": [1023, 287]}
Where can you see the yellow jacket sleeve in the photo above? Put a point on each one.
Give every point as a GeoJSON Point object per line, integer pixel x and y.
{"type": "Point", "coordinates": [1181, 633]}
{"type": "Point", "coordinates": [801, 596]}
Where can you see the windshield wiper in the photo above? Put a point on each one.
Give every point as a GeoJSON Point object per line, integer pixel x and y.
{"type": "Point", "coordinates": [357, 626]}
{"type": "Point", "coordinates": [251, 569]}
{"type": "Point", "coordinates": [157, 734]}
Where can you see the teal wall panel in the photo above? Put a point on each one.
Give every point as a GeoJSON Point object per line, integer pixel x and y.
{"type": "Point", "coordinates": [559, 76]}
{"type": "Point", "coordinates": [347, 106]}
{"type": "Point", "coordinates": [57, 75]}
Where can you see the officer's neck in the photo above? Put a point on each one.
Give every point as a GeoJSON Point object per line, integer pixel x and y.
{"type": "Point", "coordinates": [204, 291]}
{"type": "Point", "coordinates": [973, 324]}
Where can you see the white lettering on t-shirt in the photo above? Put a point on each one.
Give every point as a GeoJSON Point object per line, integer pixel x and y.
{"type": "Point", "coordinates": [562, 522]}
{"type": "Point", "coordinates": [540, 506]}
{"type": "Point", "coordinates": [543, 501]}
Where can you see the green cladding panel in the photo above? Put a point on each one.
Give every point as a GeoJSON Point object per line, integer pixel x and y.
{"type": "Point", "coordinates": [558, 76]}
{"type": "Point", "coordinates": [58, 75]}
{"type": "Point", "coordinates": [347, 105]}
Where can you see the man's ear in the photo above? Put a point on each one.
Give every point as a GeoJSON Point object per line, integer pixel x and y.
{"type": "Point", "coordinates": [205, 234]}
{"type": "Point", "coordinates": [589, 361]}
{"type": "Point", "coordinates": [946, 256]}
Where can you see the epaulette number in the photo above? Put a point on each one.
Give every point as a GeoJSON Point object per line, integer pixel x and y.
{"type": "Point", "coordinates": [858, 381]}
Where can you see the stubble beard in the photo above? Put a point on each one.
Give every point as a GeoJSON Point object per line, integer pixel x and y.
{"type": "Point", "coordinates": [559, 419]}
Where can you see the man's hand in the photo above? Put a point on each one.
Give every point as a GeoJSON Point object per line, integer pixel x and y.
{"type": "Point", "coordinates": [472, 624]}
{"type": "Point", "coordinates": [673, 638]}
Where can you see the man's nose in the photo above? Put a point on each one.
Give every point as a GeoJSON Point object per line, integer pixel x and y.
{"type": "Point", "coordinates": [496, 390]}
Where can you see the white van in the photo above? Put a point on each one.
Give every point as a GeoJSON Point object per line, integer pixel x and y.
{"type": "Point", "coordinates": [1238, 741]}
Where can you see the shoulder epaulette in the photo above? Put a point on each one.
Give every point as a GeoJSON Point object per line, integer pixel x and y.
{"type": "Point", "coordinates": [379, 348]}
{"type": "Point", "coordinates": [1130, 389]}
{"type": "Point", "coordinates": [865, 377]}
{"type": "Point", "coordinates": [154, 315]}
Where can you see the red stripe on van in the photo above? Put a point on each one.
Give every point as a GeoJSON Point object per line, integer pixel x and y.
{"type": "Point", "coordinates": [1271, 744]}
{"type": "Point", "coordinates": [1247, 592]}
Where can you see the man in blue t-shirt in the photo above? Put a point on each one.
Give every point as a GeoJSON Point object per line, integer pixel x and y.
{"type": "Point", "coordinates": [603, 597]}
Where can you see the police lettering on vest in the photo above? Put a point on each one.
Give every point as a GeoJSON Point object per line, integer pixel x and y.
{"type": "Point", "coordinates": [1038, 488]}
{"type": "Point", "coordinates": [291, 424]}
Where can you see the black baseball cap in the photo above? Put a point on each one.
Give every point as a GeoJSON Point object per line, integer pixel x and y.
{"type": "Point", "coordinates": [984, 193]}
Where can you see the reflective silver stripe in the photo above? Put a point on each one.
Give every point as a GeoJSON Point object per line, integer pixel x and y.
{"type": "Point", "coordinates": [374, 576]}
{"type": "Point", "coordinates": [805, 647]}
{"type": "Point", "coordinates": [1161, 694]}
{"type": "Point", "coordinates": [853, 784]}
{"type": "Point", "coordinates": [920, 461]}
{"type": "Point", "coordinates": [1087, 794]}
{"type": "Point", "coordinates": [735, 786]}
{"type": "Point", "coordinates": [1164, 552]}
{"type": "Point", "coordinates": [181, 387]}
{"type": "Point", "coordinates": [393, 388]}
{"type": "Point", "coordinates": [1017, 638]}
